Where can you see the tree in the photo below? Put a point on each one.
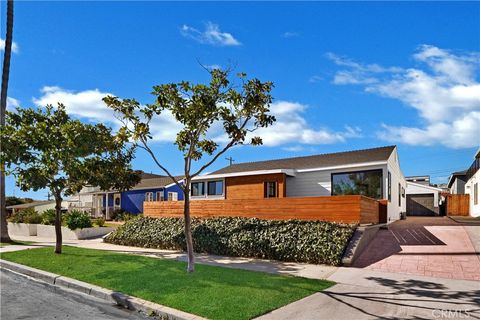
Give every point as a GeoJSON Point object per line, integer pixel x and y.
{"type": "Point", "coordinates": [4, 237]}
{"type": "Point", "coordinates": [45, 148]}
{"type": "Point", "coordinates": [197, 107]}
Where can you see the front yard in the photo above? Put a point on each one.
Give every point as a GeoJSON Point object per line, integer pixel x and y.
{"type": "Point", "coordinates": [211, 292]}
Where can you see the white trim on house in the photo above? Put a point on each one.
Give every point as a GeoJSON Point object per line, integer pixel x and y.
{"type": "Point", "coordinates": [344, 166]}
{"type": "Point", "coordinates": [417, 188]}
{"type": "Point", "coordinates": [424, 186]}
{"type": "Point", "coordinates": [288, 172]}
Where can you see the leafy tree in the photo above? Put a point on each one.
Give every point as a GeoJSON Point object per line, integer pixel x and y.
{"type": "Point", "coordinates": [45, 148]}
{"type": "Point", "coordinates": [4, 237]}
{"type": "Point", "coordinates": [197, 107]}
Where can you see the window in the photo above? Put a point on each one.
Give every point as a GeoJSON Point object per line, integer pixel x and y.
{"type": "Point", "coordinates": [271, 189]}
{"type": "Point", "coordinates": [367, 183]}
{"type": "Point", "coordinates": [215, 188]}
{"type": "Point", "coordinates": [403, 192]}
{"type": "Point", "coordinates": [198, 189]}
{"type": "Point", "coordinates": [399, 195]}
{"type": "Point", "coordinates": [148, 196]}
{"type": "Point", "coordinates": [475, 193]}
{"type": "Point", "coordinates": [160, 196]}
{"type": "Point", "coordinates": [389, 186]}
{"type": "Point", "coordinates": [172, 196]}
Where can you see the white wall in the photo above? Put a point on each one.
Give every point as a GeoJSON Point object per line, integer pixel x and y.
{"type": "Point", "coordinates": [474, 209]}
{"type": "Point", "coordinates": [393, 209]}
{"type": "Point", "coordinates": [414, 188]}
{"type": "Point", "coordinates": [41, 208]}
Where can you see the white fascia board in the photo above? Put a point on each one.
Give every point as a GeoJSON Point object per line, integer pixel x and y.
{"type": "Point", "coordinates": [424, 186]}
{"type": "Point", "coordinates": [288, 172]}
{"type": "Point", "coordinates": [172, 184]}
{"type": "Point", "coordinates": [345, 166]}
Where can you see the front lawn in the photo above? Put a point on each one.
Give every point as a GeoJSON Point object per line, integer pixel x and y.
{"type": "Point", "coordinates": [211, 292]}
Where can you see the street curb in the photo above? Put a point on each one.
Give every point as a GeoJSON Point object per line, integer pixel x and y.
{"type": "Point", "coordinates": [111, 296]}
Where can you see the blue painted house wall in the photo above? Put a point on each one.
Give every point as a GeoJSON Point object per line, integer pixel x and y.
{"type": "Point", "coordinates": [132, 200]}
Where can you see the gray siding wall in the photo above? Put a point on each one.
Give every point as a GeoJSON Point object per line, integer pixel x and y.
{"type": "Point", "coordinates": [458, 186]}
{"type": "Point", "coordinates": [318, 183]}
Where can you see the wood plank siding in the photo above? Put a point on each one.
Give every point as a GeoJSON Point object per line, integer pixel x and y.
{"type": "Point", "coordinates": [252, 187]}
{"type": "Point", "coordinates": [345, 209]}
{"type": "Point", "coordinates": [458, 205]}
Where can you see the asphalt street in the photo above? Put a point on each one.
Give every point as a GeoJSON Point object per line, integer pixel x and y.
{"type": "Point", "coordinates": [22, 298]}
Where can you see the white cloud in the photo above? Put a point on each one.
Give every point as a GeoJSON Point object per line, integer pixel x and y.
{"type": "Point", "coordinates": [15, 47]}
{"type": "Point", "coordinates": [211, 35]}
{"type": "Point", "coordinates": [12, 104]}
{"type": "Point", "coordinates": [315, 78]}
{"type": "Point", "coordinates": [292, 127]}
{"type": "Point", "coordinates": [443, 89]}
{"type": "Point", "coordinates": [88, 104]}
{"type": "Point", "coordinates": [290, 34]}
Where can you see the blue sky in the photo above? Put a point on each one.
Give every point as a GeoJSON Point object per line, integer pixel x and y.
{"type": "Point", "coordinates": [346, 75]}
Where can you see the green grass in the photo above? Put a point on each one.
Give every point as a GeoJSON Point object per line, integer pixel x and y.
{"type": "Point", "coordinates": [211, 292]}
{"type": "Point", "coordinates": [16, 243]}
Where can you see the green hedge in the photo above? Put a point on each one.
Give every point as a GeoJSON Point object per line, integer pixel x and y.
{"type": "Point", "coordinates": [292, 240]}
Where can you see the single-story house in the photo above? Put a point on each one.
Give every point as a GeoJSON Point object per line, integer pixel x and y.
{"type": "Point", "coordinates": [374, 173]}
{"type": "Point", "coordinates": [456, 182]}
{"type": "Point", "coordinates": [472, 185]}
{"type": "Point", "coordinates": [423, 199]}
{"type": "Point", "coordinates": [152, 187]}
{"type": "Point", "coordinates": [39, 206]}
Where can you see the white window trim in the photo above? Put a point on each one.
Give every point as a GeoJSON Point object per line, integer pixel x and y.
{"type": "Point", "coordinates": [148, 196]}
{"type": "Point", "coordinates": [206, 196]}
{"type": "Point", "coordinates": [162, 195]}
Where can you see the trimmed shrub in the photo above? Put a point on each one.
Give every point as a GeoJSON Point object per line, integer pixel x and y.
{"type": "Point", "coordinates": [100, 222]}
{"type": "Point", "coordinates": [290, 240]}
{"type": "Point", "coordinates": [48, 217]}
{"type": "Point", "coordinates": [28, 215]}
{"type": "Point", "coordinates": [121, 215]}
{"type": "Point", "coordinates": [76, 219]}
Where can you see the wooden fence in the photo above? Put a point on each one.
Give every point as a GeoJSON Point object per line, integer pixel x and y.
{"type": "Point", "coordinates": [345, 209]}
{"type": "Point", "coordinates": [458, 205]}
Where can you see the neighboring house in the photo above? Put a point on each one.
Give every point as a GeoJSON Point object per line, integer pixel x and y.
{"type": "Point", "coordinates": [456, 182]}
{"type": "Point", "coordinates": [423, 199]}
{"type": "Point", "coordinates": [472, 185]}
{"type": "Point", "coordinates": [425, 180]}
{"type": "Point", "coordinates": [39, 206]}
{"type": "Point", "coordinates": [374, 173]}
{"type": "Point", "coordinates": [152, 187]}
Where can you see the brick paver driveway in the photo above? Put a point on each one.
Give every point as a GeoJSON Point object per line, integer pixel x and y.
{"type": "Point", "coordinates": [430, 246]}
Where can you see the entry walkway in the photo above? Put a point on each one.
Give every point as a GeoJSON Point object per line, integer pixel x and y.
{"type": "Point", "coordinates": [429, 246]}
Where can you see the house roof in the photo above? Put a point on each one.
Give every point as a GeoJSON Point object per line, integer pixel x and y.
{"type": "Point", "coordinates": [30, 204]}
{"type": "Point", "coordinates": [159, 181]}
{"type": "Point", "coordinates": [451, 179]}
{"type": "Point", "coordinates": [310, 162]}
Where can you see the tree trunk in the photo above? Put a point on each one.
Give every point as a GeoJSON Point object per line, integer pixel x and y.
{"type": "Point", "coordinates": [58, 223]}
{"type": "Point", "coordinates": [188, 229]}
{"type": "Point", "coordinates": [4, 237]}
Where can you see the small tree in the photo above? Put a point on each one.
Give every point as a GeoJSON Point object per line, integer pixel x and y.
{"type": "Point", "coordinates": [48, 149]}
{"type": "Point", "coordinates": [197, 107]}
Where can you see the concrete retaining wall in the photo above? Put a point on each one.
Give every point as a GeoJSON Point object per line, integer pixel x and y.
{"type": "Point", "coordinates": [22, 229]}
{"type": "Point", "coordinates": [67, 234]}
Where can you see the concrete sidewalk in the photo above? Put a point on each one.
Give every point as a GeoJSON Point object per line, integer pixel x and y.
{"type": "Point", "coordinates": [364, 294]}
{"type": "Point", "coordinates": [305, 270]}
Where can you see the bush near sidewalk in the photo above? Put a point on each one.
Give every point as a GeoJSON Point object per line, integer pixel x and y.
{"type": "Point", "coordinates": [291, 240]}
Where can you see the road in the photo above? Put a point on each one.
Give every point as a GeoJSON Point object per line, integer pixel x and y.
{"type": "Point", "coordinates": [22, 298]}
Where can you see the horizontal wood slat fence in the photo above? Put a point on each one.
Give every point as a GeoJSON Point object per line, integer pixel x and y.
{"type": "Point", "coordinates": [458, 205]}
{"type": "Point", "coordinates": [344, 209]}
